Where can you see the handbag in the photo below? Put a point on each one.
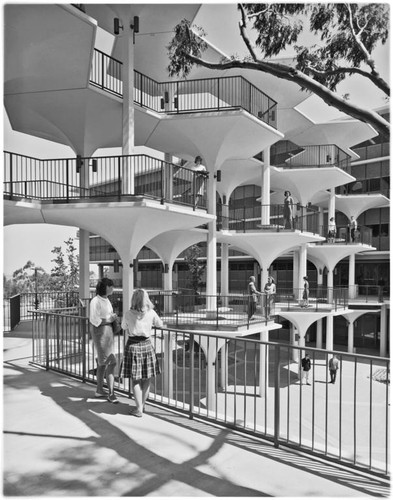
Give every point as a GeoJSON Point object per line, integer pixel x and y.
{"type": "Point", "coordinates": [116, 326]}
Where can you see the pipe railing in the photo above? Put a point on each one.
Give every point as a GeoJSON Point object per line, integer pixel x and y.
{"type": "Point", "coordinates": [274, 217]}
{"type": "Point", "coordinates": [105, 177]}
{"type": "Point", "coordinates": [364, 187]}
{"type": "Point", "coordinates": [345, 236]}
{"type": "Point", "coordinates": [253, 386]}
{"type": "Point", "coordinates": [185, 96]}
{"type": "Point", "coordinates": [319, 299]}
{"type": "Point", "coordinates": [319, 156]}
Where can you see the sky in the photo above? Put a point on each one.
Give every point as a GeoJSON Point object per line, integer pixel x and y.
{"type": "Point", "coordinates": [35, 242]}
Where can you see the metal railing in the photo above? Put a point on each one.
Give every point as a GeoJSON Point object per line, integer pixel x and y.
{"type": "Point", "coordinates": [255, 387]}
{"type": "Point", "coordinates": [319, 299]}
{"type": "Point", "coordinates": [365, 187]}
{"type": "Point", "coordinates": [344, 235]}
{"type": "Point", "coordinates": [185, 96]}
{"type": "Point", "coordinates": [320, 156]}
{"type": "Point", "coordinates": [105, 177]}
{"type": "Point", "coordinates": [277, 217]}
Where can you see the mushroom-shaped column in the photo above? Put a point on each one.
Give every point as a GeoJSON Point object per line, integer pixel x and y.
{"type": "Point", "coordinates": [351, 316]}
{"type": "Point", "coordinates": [210, 347]}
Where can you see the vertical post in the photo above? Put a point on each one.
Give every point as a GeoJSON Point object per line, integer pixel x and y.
{"type": "Point", "coordinates": [67, 181]}
{"type": "Point", "coordinates": [276, 395]}
{"type": "Point", "coordinates": [82, 338]}
{"type": "Point", "coordinates": [46, 342]}
{"type": "Point", "coordinates": [192, 355]}
{"type": "Point", "coordinates": [102, 71]}
{"type": "Point", "coordinates": [11, 177]}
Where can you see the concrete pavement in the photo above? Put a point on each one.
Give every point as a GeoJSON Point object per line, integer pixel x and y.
{"type": "Point", "coordinates": [61, 441]}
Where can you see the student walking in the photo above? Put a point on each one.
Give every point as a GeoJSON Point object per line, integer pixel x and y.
{"type": "Point", "coordinates": [102, 317]}
{"type": "Point", "coordinates": [270, 290]}
{"type": "Point", "coordinates": [140, 360]}
{"type": "Point", "coordinates": [306, 368]}
{"type": "Point", "coordinates": [306, 292]}
{"type": "Point", "coordinates": [252, 297]}
{"type": "Point", "coordinates": [333, 367]}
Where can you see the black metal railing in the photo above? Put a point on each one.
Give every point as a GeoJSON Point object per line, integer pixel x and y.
{"type": "Point", "coordinates": [254, 386]}
{"type": "Point", "coordinates": [277, 217]}
{"type": "Point", "coordinates": [185, 96]}
{"type": "Point", "coordinates": [319, 156]}
{"type": "Point", "coordinates": [319, 299]}
{"type": "Point", "coordinates": [104, 177]}
{"type": "Point", "coordinates": [344, 235]}
{"type": "Point", "coordinates": [366, 187]}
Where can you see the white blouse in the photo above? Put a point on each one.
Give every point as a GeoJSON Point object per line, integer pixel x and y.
{"type": "Point", "coordinates": [100, 308]}
{"type": "Point", "coordinates": [140, 324]}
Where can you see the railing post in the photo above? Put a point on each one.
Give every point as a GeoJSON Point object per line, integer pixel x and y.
{"type": "Point", "coordinates": [67, 181]}
{"type": "Point", "coordinates": [11, 178]}
{"type": "Point", "coordinates": [102, 71]}
{"type": "Point", "coordinates": [119, 177]}
{"type": "Point", "coordinates": [84, 323]}
{"type": "Point", "coordinates": [46, 343]}
{"type": "Point", "coordinates": [192, 354]}
{"type": "Point", "coordinates": [162, 184]}
{"type": "Point", "coordinates": [276, 395]}
{"type": "Point", "coordinates": [218, 94]}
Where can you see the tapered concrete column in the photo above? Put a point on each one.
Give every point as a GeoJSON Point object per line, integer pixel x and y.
{"type": "Point", "coordinates": [320, 221]}
{"type": "Point", "coordinates": [168, 177]}
{"type": "Point", "coordinates": [351, 277]}
{"type": "Point", "coordinates": [302, 268]}
{"type": "Point", "coordinates": [211, 265]}
{"type": "Point", "coordinates": [84, 268]}
{"type": "Point", "coordinates": [264, 277]}
{"type": "Point", "coordinates": [128, 283]}
{"type": "Point", "coordinates": [224, 367]}
{"type": "Point", "coordinates": [263, 364]}
{"type": "Point", "coordinates": [167, 375]}
{"type": "Point", "coordinates": [295, 274]}
{"type": "Point", "coordinates": [350, 336]}
{"type": "Point", "coordinates": [294, 342]}
{"type": "Point", "coordinates": [128, 106]}
{"type": "Point", "coordinates": [332, 203]}
{"type": "Point", "coordinates": [224, 274]}
{"type": "Point", "coordinates": [329, 333]}
{"type": "Point", "coordinates": [330, 285]}
{"type": "Point", "coordinates": [319, 334]}
{"type": "Point", "coordinates": [265, 188]}
{"type": "Point", "coordinates": [383, 332]}
{"type": "Point", "coordinates": [167, 285]}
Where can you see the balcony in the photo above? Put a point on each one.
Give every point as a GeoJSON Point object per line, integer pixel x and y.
{"type": "Point", "coordinates": [186, 96]}
{"type": "Point", "coordinates": [105, 178]}
{"type": "Point", "coordinates": [289, 155]}
{"type": "Point", "coordinates": [362, 235]}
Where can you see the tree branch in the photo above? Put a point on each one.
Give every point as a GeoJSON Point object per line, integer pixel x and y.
{"type": "Point", "coordinates": [358, 40]}
{"type": "Point", "coordinates": [288, 73]}
{"type": "Point", "coordinates": [242, 27]}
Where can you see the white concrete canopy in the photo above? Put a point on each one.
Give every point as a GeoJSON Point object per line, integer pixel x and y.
{"type": "Point", "coordinates": [266, 246]}
{"type": "Point", "coordinates": [304, 183]}
{"type": "Point", "coordinates": [356, 204]}
{"type": "Point", "coordinates": [330, 255]}
{"type": "Point", "coordinates": [304, 319]}
{"type": "Point", "coordinates": [353, 315]}
{"type": "Point", "coordinates": [238, 172]}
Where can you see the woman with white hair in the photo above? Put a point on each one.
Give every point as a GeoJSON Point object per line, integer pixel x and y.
{"type": "Point", "coordinates": [140, 360]}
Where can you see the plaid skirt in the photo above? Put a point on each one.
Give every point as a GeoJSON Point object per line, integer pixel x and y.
{"type": "Point", "coordinates": [140, 360]}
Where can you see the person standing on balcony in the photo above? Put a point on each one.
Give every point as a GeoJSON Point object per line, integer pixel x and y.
{"type": "Point", "coordinates": [306, 292]}
{"type": "Point", "coordinates": [270, 290]}
{"type": "Point", "coordinates": [197, 182]}
{"type": "Point", "coordinates": [140, 360]}
{"type": "Point", "coordinates": [102, 317]}
{"type": "Point", "coordinates": [306, 368]}
{"type": "Point", "coordinates": [331, 230]}
{"type": "Point", "coordinates": [333, 367]}
{"type": "Point", "coordinates": [252, 297]}
{"type": "Point", "coordinates": [288, 210]}
{"type": "Point", "coordinates": [353, 226]}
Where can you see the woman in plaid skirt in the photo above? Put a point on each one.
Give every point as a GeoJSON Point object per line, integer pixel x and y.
{"type": "Point", "coordinates": [140, 360]}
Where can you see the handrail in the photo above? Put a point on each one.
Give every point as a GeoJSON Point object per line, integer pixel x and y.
{"type": "Point", "coordinates": [185, 96]}
{"type": "Point", "coordinates": [313, 156]}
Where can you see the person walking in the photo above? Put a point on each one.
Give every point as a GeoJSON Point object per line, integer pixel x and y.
{"type": "Point", "coordinates": [333, 367]}
{"type": "Point", "coordinates": [270, 290]}
{"type": "Point", "coordinates": [306, 292]}
{"type": "Point", "coordinates": [102, 317]}
{"type": "Point", "coordinates": [140, 360]}
{"type": "Point", "coordinates": [331, 230]}
{"type": "Point", "coordinates": [306, 368]}
{"type": "Point", "coordinates": [252, 297]}
{"type": "Point", "coordinates": [353, 226]}
{"type": "Point", "coordinates": [288, 210]}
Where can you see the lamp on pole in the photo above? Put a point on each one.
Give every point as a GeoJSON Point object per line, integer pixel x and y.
{"type": "Point", "coordinates": [36, 302]}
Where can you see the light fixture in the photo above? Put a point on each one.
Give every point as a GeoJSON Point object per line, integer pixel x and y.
{"type": "Point", "coordinates": [116, 265]}
{"type": "Point", "coordinates": [79, 163]}
{"type": "Point", "coordinates": [117, 26]}
{"type": "Point", "coordinates": [135, 26]}
{"type": "Point", "coordinates": [217, 175]}
{"type": "Point", "coordinates": [94, 164]}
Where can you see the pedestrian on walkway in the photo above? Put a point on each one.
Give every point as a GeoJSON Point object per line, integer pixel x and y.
{"type": "Point", "coordinates": [306, 292]}
{"type": "Point", "coordinates": [288, 210]}
{"type": "Point", "coordinates": [140, 360]}
{"type": "Point", "coordinates": [270, 290]}
{"type": "Point", "coordinates": [252, 297]}
{"type": "Point", "coordinates": [102, 317]}
{"type": "Point", "coordinates": [306, 368]}
{"type": "Point", "coordinates": [353, 226]}
{"type": "Point", "coordinates": [333, 367]}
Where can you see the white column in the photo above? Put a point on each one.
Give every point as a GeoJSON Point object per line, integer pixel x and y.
{"type": "Point", "coordinates": [128, 283]}
{"type": "Point", "coordinates": [295, 273]}
{"type": "Point", "coordinates": [302, 268]}
{"type": "Point", "coordinates": [383, 332]}
{"type": "Point", "coordinates": [351, 277]}
{"type": "Point", "coordinates": [332, 203]}
{"type": "Point", "coordinates": [263, 364]}
{"type": "Point", "coordinates": [319, 334]}
{"type": "Point", "coordinates": [330, 285]}
{"type": "Point", "coordinates": [350, 336]}
{"type": "Point", "coordinates": [294, 342]}
{"type": "Point", "coordinates": [320, 222]}
{"type": "Point", "coordinates": [211, 267]}
{"type": "Point", "coordinates": [224, 273]}
{"type": "Point", "coordinates": [168, 177]}
{"type": "Point", "coordinates": [128, 107]}
{"type": "Point", "coordinates": [211, 355]}
{"type": "Point", "coordinates": [224, 367]}
{"type": "Point", "coordinates": [329, 333]}
{"type": "Point", "coordinates": [168, 302]}
{"type": "Point", "coordinates": [84, 268]}
{"type": "Point", "coordinates": [168, 365]}
{"type": "Point", "coordinates": [301, 354]}
{"type": "Point", "coordinates": [265, 188]}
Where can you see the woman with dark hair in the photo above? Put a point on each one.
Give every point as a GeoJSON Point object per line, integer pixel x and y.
{"type": "Point", "coordinates": [140, 360]}
{"type": "Point", "coordinates": [306, 292]}
{"type": "Point", "coordinates": [101, 316]}
{"type": "Point", "coordinates": [288, 210]}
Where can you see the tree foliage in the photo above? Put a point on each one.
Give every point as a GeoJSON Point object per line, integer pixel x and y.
{"type": "Point", "coordinates": [195, 266]}
{"type": "Point", "coordinates": [65, 273]}
{"type": "Point", "coordinates": [345, 34]}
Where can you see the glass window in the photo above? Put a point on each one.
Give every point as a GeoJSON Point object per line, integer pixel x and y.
{"type": "Point", "coordinates": [358, 171]}
{"type": "Point", "coordinates": [373, 170]}
{"type": "Point", "coordinates": [385, 168]}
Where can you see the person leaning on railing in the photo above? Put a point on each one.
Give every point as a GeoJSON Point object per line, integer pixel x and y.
{"type": "Point", "coordinates": [102, 318]}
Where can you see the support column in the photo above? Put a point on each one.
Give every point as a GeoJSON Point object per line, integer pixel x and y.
{"type": "Point", "coordinates": [128, 283]}
{"type": "Point", "coordinates": [168, 177]}
{"type": "Point", "coordinates": [301, 353]}
{"type": "Point", "coordinates": [350, 336]}
{"type": "Point", "coordinates": [84, 268]}
{"type": "Point", "coordinates": [332, 203]}
{"type": "Point", "coordinates": [295, 274]}
{"type": "Point", "coordinates": [211, 267]}
{"type": "Point", "coordinates": [330, 286]}
{"type": "Point", "coordinates": [224, 367]}
{"type": "Point", "coordinates": [329, 333]}
{"type": "Point", "coordinates": [383, 332]}
{"type": "Point", "coordinates": [319, 334]}
{"type": "Point", "coordinates": [294, 342]}
{"type": "Point", "coordinates": [224, 273]}
{"type": "Point", "coordinates": [263, 364]}
{"type": "Point", "coordinates": [168, 365]}
{"type": "Point", "coordinates": [302, 268]}
{"type": "Point", "coordinates": [167, 286]}
{"type": "Point", "coordinates": [265, 188]}
{"type": "Point", "coordinates": [351, 277]}
{"type": "Point", "coordinates": [128, 108]}
{"type": "Point", "coordinates": [320, 222]}
{"type": "Point", "coordinates": [211, 355]}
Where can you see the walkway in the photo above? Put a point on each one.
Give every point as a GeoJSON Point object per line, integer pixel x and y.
{"type": "Point", "coordinates": [60, 441]}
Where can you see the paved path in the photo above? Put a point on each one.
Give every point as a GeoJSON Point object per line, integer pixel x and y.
{"type": "Point", "coordinates": [60, 441]}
